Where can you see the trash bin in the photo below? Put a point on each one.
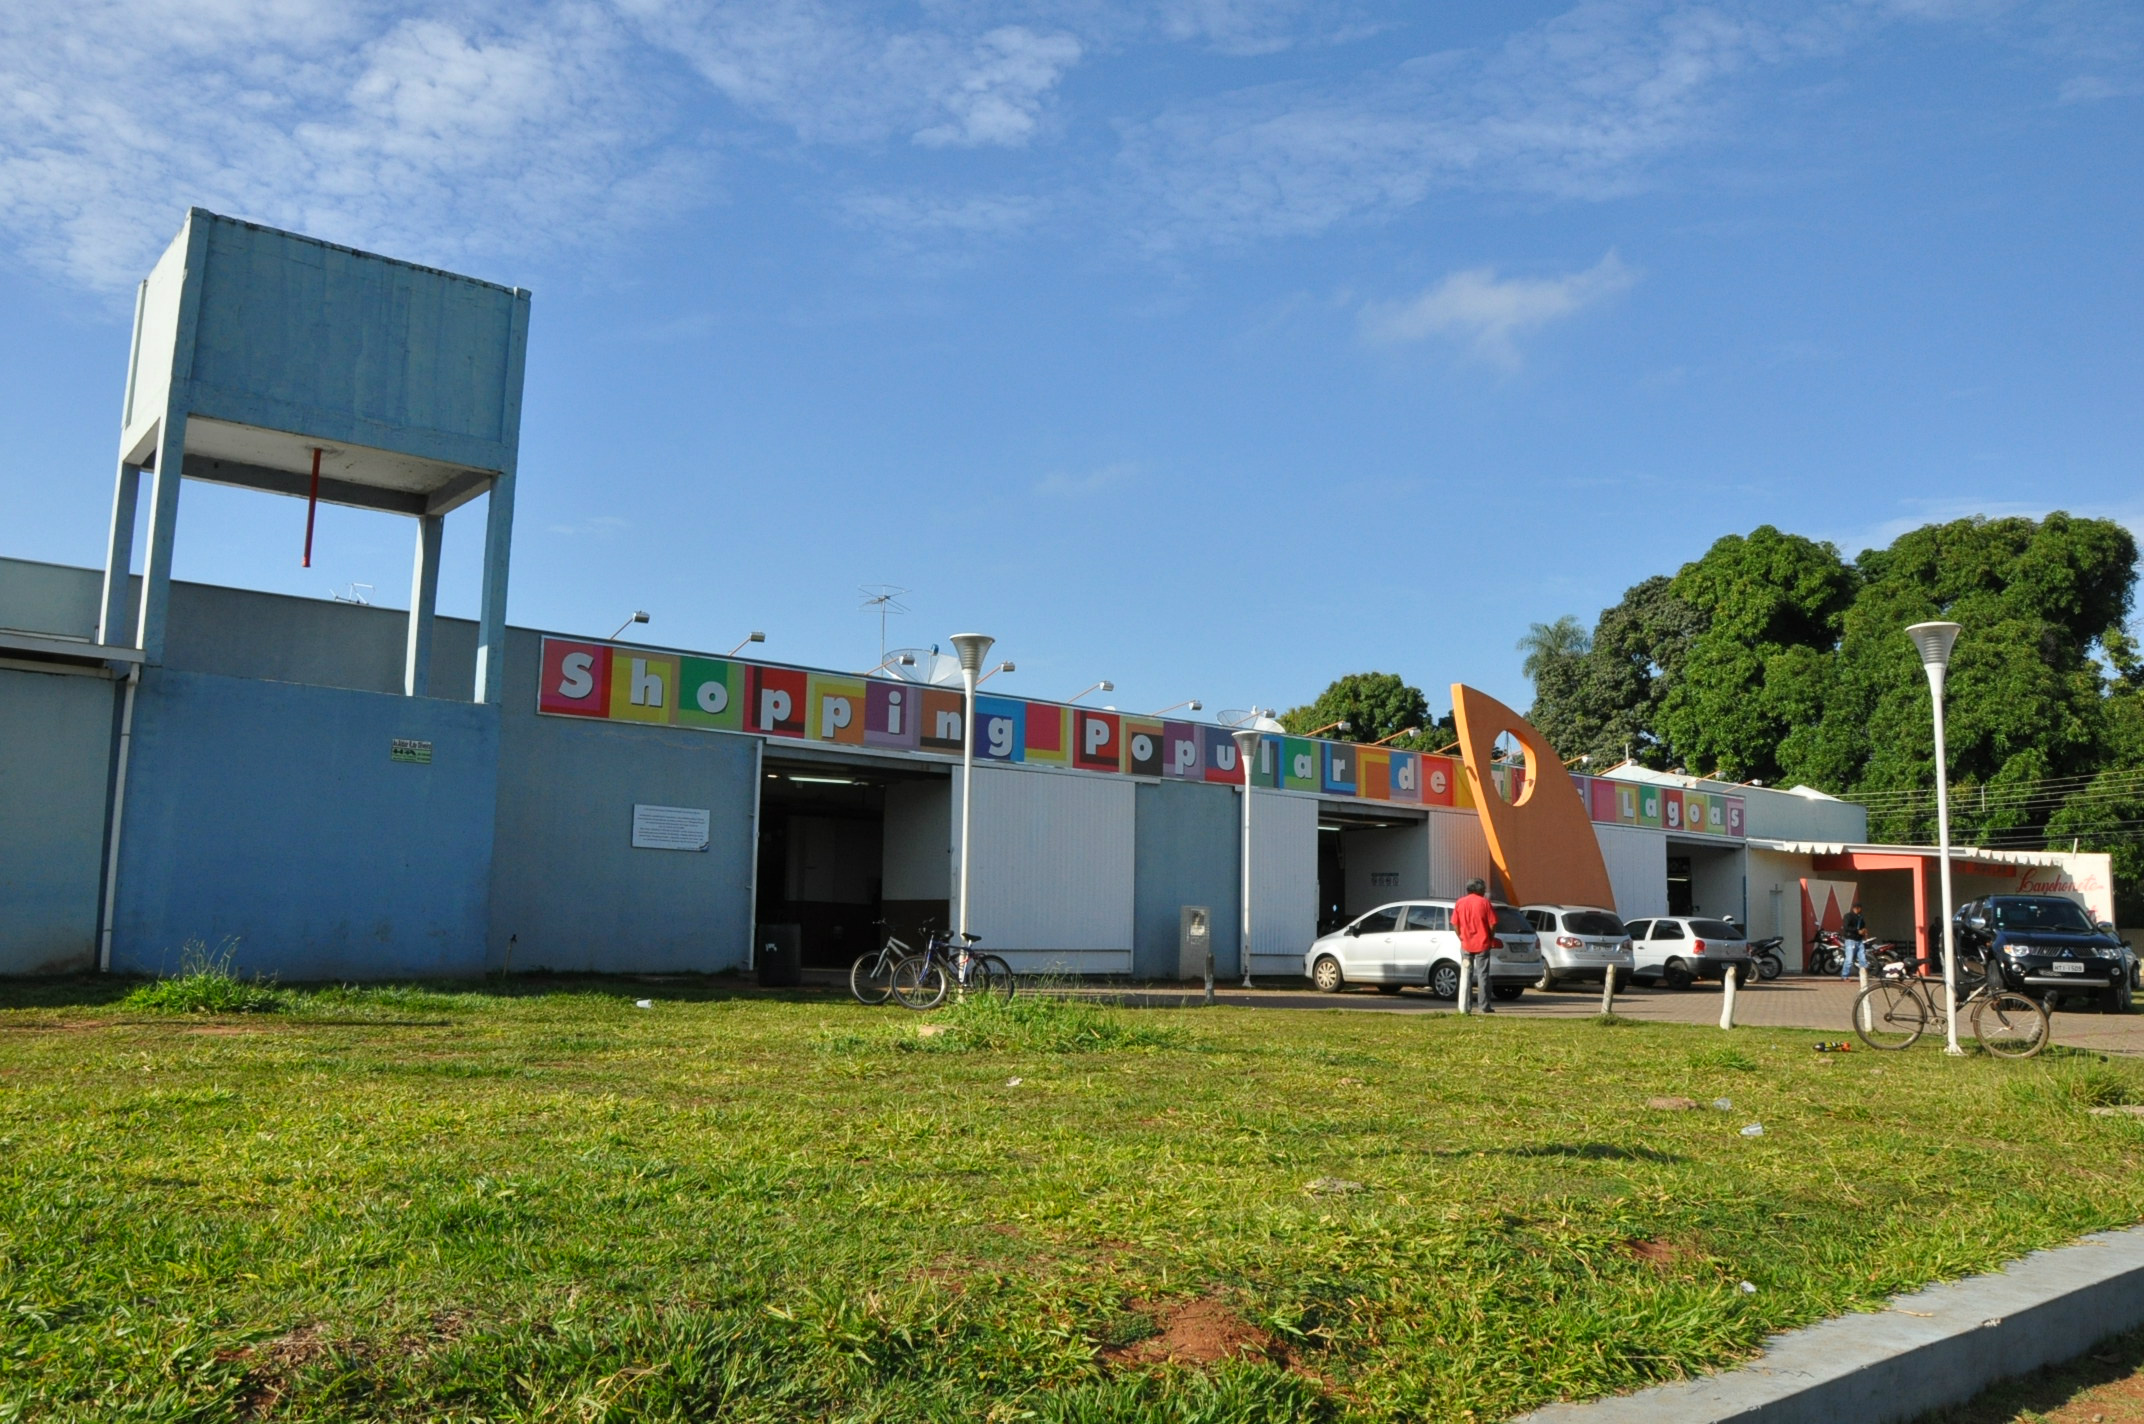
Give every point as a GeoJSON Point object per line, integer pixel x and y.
{"type": "Point", "coordinates": [1194, 938]}
{"type": "Point", "coordinates": [779, 956]}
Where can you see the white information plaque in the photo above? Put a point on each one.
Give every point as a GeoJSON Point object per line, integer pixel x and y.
{"type": "Point", "coordinates": [669, 828]}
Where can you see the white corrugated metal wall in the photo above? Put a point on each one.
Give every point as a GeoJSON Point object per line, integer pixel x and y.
{"type": "Point", "coordinates": [1458, 852]}
{"type": "Point", "coordinates": [1284, 882]}
{"type": "Point", "coordinates": [1637, 860]}
{"type": "Point", "coordinates": [1052, 869]}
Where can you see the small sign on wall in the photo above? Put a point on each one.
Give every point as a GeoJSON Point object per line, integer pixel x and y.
{"type": "Point", "coordinates": [403, 749]}
{"type": "Point", "coordinates": [670, 828]}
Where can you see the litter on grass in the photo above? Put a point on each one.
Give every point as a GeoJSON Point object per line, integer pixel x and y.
{"type": "Point", "coordinates": [1755, 1129]}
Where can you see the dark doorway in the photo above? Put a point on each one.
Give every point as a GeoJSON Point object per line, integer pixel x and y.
{"type": "Point", "coordinates": [825, 857]}
{"type": "Point", "coordinates": [1680, 901]}
{"type": "Point", "coordinates": [1332, 881]}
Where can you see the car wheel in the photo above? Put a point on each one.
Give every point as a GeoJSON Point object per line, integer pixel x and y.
{"type": "Point", "coordinates": [1744, 974]}
{"type": "Point", "coordinates": [1676, 975]}
{"type": "Point", "coordinates": [1325, 974]}
{"type": "Point", "coordinates": [1505, 993]}
{"type": "Point", "coordinates": [1546, 982]}
{"type": "Point", "coordinates": [2116, 1000]}
{"type": "Point", "coordinates": [1444, 980]}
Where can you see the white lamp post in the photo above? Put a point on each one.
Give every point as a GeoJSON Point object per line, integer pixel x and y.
{"type": "Point", "coordinates": [1934, 640]}
{"type": "Point", "coordinates": [1248, 741]}
{"type": "Point", "coordinates": [973, 648]}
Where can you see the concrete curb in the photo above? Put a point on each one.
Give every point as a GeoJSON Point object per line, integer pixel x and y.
{"type": "Point", "coordinates": [1940, 1346]}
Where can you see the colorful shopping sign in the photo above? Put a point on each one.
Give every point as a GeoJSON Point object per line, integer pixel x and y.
{"type": "Point", "coordinates": [608, 682]}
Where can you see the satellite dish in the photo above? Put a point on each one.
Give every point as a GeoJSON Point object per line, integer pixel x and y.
{"type": "Point", "coordinates": [936, 669]}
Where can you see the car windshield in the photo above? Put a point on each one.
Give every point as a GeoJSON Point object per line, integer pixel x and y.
{"type": "Point", "coordinates": [2038, 913]}
{"type": "Point", "coordinates": [1511, 922]}
{"type": "Point", "coordinates": [1714, 929]}
{"type": "Point", "coordinates": [1593, 922]}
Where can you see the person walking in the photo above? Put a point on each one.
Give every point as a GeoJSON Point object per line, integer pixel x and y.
{"type": "Point", "coordinates": [1854, 941]}
{"type": "Point", "coordinates": [1475, 920]}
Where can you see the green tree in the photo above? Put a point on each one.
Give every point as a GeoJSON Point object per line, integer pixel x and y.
{"type": "Point", "coordinates": [1603, 700]}
{"type": "Point", "coordinates": [2026, 698]}
{"type": "Point", "coordinates": [1772, 606]}
{"type": "Point", "coordinates": [1374, 705]}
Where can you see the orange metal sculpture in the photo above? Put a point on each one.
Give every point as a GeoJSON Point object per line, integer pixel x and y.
{"type": "Point", "coordinates": [1542, 839]}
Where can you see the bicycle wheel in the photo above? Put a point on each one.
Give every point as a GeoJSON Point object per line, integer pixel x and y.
{"type": "Point", "coordinates": [871, 977]}
{"type": "Point", "coordinates": [1889, 1016]}
{"type": "Point", "coordinates": [919, 983]}
{"type": "Point", "coordinates": [2010, 1025]}
{"type": "Point", "coordinates": [996, 977]}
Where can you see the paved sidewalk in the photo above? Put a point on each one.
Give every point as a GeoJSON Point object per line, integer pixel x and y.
{"type": "Point", "coordinates": [1793, 1002]}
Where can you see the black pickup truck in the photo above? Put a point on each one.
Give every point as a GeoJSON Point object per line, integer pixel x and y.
{"type": "Point", "coordinates": [2048, 947]}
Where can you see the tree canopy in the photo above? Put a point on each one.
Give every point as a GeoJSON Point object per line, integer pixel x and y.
{"type": "Point", "coordinates": [1772, 658]}
{"type": "Point", "coordinates": [1375, 706]}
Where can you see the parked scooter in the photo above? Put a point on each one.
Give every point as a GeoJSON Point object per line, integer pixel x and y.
{"type": "Point", "coordinates": [1764, 953]}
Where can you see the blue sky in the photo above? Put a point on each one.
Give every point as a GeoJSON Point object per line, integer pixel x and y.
{"type": "Point", "coordinates": [1214, 347]}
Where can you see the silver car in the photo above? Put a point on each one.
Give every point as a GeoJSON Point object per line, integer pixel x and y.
{"type": "Point", "coordinates": [1579, 944]}
{"type": "Point", "coordinates": [1412, 942]}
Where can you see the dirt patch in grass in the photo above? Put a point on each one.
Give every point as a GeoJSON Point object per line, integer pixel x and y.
{"type": "Point", "coordinates": [271, 1364]}
{"type": "Point", "coordinates": [1203, 1331]}
{"type": "Point", "coordinates": [1661, 1255]}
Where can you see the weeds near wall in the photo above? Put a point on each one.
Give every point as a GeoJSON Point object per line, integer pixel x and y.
{"type": "Point", "coordinates": [206, 985]}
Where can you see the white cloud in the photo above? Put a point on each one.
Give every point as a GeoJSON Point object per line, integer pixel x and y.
{"type": "Point", "coordinates": [833, 75]}
{"type": "Point", "coordinates": [1575, 106]}
{"type": "Point", "coordinates": [1490, 313]}
{"type": "Point", "coordinates": [995, 100]}
{"type": "Point", "coordinates": [1094, 482]}
{"type": "Point", "coordinates": [439, 139]}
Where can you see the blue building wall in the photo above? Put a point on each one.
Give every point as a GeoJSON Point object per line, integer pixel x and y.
{"type": "Point", "coordinates": [569, 882]}
{"type": "Point", "coordinates": [55, 746]}
{"type": "Point", "coordinates": [271, 813]}
{"type": "Point", "coordinates": [1186, 837]}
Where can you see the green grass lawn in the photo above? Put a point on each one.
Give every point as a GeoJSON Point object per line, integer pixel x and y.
{"type": "Point", "coordinates": [409, 1204]}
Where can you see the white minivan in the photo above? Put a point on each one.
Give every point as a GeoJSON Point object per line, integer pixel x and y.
{"type": "Point", "coordinates": [1412, 942]}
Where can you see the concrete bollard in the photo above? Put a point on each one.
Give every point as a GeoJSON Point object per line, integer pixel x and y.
{"type": "Point", "coordinates": [1727, 997]}
{"type": "Point", "coordinates": [1608, 991]}
{"type": "Point", "coordinates": [1466, 982]}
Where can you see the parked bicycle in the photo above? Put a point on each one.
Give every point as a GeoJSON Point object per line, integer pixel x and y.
{"type": "Point", "coordinates": [1896, 1010]}
{"type": "Point", "coordinates": [871, 976]}
{"type": "Point", "coordinates": [922, 981]}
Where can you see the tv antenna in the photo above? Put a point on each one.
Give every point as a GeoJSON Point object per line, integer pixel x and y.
{"type": "Point", "coordinates": [886, 598]}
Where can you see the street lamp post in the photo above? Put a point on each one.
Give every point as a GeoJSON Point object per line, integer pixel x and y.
{"type": "Point", "coordinates": [973, 648]}
{"type": "Point", "coordinates": [1934, 641]}
{"type": "Point", "coordinates": [1248, 741]}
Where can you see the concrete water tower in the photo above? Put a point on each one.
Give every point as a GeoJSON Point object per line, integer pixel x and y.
{"type": "Point", "coordinates": [280, 363]}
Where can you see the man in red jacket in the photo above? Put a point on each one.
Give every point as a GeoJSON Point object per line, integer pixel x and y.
{"type": "Point", "coordinates": [1475, 919]}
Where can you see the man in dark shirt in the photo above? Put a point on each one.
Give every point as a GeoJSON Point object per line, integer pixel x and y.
{"type": "Point", "coordinates": [1854, 935]}
{"type": "Point", "coordinates": [1475, 919]}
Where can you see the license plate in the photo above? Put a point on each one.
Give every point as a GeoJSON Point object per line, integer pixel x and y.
{"type": "Point", "coordinates": [2069, 968]}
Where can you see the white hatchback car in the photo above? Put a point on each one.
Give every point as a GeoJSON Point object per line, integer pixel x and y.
{"type": "Point", "coordinates": [1580, 943]}
{"type": "Point", "coordinates": [1679, 950]}
{"type": "Point", "coordinates": [1412, 942]}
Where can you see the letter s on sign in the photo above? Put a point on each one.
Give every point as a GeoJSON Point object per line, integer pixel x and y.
{"type": "Point", "coordinates": [575, 681]}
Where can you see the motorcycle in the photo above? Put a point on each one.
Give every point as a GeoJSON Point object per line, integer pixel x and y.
{"type": "Point", "coordinates": [1827, 953]}
{"type": "Point", "coordinates": [1764, 953]}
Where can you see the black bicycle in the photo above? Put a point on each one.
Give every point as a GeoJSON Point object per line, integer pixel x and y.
{"type": "Point", "coordinates": [922, 981]}
{"type": "Point", "coordinates": [1897, 1009]}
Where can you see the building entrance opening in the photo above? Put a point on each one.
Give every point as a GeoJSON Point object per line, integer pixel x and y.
{"type": "Point", "coordinates": [845, 846]}
{"type": "Point", "coordinates": [1366, 860]}
{"type": "Point", "coordinates": [1707, 880]}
